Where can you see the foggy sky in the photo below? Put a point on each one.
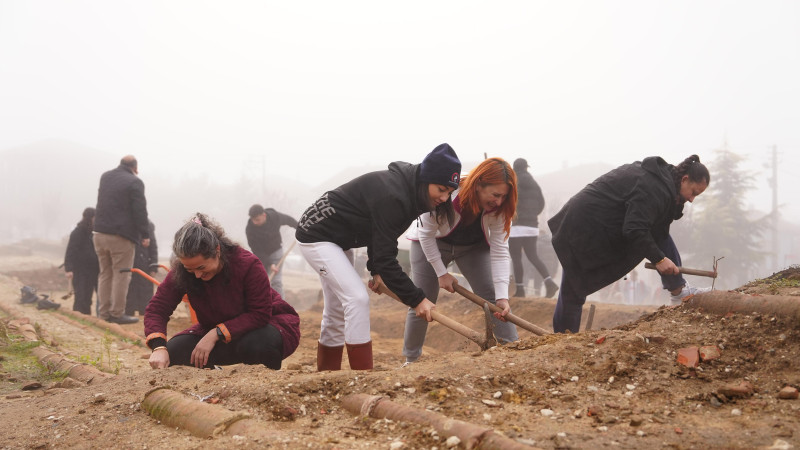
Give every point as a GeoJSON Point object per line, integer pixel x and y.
{"type": "Point", "coordinates": [316, 86]}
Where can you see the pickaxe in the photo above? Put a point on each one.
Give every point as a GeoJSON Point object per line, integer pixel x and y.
{"type": "Point", "coordinates": [522, 323]}
{"type": "Point", "coordinates": [483, 342]}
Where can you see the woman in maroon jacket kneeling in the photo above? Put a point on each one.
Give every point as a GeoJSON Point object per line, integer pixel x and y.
{"type": "Point", "coordinates": [241, 319]}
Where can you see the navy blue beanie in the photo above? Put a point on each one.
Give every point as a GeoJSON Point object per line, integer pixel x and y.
{"type": "Point", "coordinates": [441, 166]}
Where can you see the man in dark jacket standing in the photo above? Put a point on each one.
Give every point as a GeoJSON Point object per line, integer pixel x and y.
{"type": "Point", "coordinates": [264, 238]}
{"type": "Point", "coordinates": [120, 222]}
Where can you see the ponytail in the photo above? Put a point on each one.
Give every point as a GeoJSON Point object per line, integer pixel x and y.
{"type": "Point", "coordinates": [692, 167]}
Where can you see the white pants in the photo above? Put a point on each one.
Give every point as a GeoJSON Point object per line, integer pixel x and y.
{"type": "Point", "coordinates": [345, 317]}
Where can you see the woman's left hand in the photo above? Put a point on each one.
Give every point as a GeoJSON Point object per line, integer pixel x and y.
{"type": "Point", "coordinates": [503, 303]}
{"type": "Point", "coordinates": [203, 348]}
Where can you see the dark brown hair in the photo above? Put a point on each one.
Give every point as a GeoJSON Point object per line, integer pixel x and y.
{"type": "Point", "coordinates": [694, 168]}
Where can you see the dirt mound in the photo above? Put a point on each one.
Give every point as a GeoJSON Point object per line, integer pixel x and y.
{"type": "Point", "coordinates": [620, 386]}
{"type": "Point", "coordinates": [45, 280]}
{"type": "Point", "coordinates": [785, 282]}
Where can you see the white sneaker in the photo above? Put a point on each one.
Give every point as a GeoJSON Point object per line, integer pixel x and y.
{"type": "Point", "coordinates": [688, 291]}
{"type": "Point", "coordinates": [408, 363]}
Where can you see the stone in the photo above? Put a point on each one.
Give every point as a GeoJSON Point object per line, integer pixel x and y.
{"type": "Point", "coordinates": [741, 390]}
{"type": "Point", "coordinates": [788, 393]}
{"type": "Point", "coordinates": [709, 352]}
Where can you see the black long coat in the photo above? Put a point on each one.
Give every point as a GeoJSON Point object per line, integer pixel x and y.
{"type": "Point", "coordinates": [607, 228]}
{"type": "Point", "coordinates": [530, 201]}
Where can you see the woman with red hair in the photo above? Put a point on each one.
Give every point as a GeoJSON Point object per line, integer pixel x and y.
{"type": "Point", "coordinates": [476, 238]}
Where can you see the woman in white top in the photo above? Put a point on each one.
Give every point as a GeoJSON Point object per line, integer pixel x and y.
{"type": "Point", "coordinates": [476, 238]}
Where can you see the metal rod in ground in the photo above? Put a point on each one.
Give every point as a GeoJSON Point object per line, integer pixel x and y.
{"type": "Point", "coordinates": [590, 318]}
{"type": "Point", "coordinates": [687, 271]}
{"type": "Point", "coordinates": [516, 320]}
{"type": "Point", "coordinates": [463, 330]}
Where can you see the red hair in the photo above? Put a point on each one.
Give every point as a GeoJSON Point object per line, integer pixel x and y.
{"type": "Point", "coordinates": [490, 171]}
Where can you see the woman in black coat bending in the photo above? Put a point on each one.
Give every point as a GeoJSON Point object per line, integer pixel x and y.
{"type": "Point", "coordinates": [80, 263]}
{"type": "Point", "coordinates": [607, 228]}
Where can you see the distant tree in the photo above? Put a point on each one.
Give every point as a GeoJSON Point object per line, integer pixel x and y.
{"type": "Point", "coordinates": [722, 227]}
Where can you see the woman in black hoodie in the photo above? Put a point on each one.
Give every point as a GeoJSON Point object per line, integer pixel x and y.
{"type": "Point", "coordinates": [371, 211]}
{"type": "Point", "coordinates": [607, 228]}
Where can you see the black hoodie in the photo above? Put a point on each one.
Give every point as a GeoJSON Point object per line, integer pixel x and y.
{"type": "Point", "coordinates": [372, 210]}
{"type": "Point", "coordinates": [607, 228]}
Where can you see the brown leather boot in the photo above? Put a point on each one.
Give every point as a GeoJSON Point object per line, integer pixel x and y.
{"type": "Point", "coordinates": [329, 358]}
{"type": "Point", "coordinates": [360, 356]}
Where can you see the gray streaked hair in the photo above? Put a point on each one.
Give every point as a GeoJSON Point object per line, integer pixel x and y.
{"type": "Point", "coordinates": [199, 236]}
{"type": "Point", "coordinates": [196, 237]}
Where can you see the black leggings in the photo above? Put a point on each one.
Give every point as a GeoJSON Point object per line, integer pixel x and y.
{"type": "Point", "coordinates": [527, 243]}
{"type": "Point", "coordinates": [259, 346]}
{"type": "Point", "coordinates": [84, 285]}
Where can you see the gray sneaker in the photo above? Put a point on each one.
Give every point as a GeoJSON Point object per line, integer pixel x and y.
{"type": "Point", "coordinates": [687, 291]}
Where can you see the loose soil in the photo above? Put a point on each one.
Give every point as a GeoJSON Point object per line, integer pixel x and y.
{"type": "Point", "coordinates": [618, 385]}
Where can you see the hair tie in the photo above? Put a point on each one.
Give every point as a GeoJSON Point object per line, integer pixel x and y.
{"type": "Point", "coordinates": [196, 220]}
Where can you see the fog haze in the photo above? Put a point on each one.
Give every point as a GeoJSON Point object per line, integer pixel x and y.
{"type": "Point", "coordinates": [259, 93]}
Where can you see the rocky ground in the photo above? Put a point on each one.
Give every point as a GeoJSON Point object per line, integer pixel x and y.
{"type": "Point", "coordinates": [619, 385]}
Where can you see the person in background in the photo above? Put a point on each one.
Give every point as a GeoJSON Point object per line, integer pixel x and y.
{"type": "Point", "coordinates": [476, 239]}
{"type": "Point", "coordinates": [372, 210]}
{"type": "Point", "coordinates": [80, 263]}
{"type": "Point", "coordinates": [141, 289]}
{"type": "Point", "coordinates": [634, 290]}
{"type": "Point", "coordinates": [264, 238]}
{"type": "Point", "coordinates": [525, 230]}
{"type": "Point", "coordinates": [120, 222]}
{"type": "Point", "coordinates": [606, 229]}
{"type": "Point", "coordinates": [241, 319]}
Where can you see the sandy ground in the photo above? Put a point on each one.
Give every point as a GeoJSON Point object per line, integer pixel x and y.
{"type": "Point", "coordinates": [617, 386]}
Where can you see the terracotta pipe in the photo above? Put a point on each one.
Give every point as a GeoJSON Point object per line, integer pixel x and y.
{"type": "Point", "coordinates": [199, 418]}
{"type": "Point", "coordinates": [81, 372]}
{"type": "Point", "coordinates": [111, 327]}
{"type": "Point", "coordinates": [472, 436]}
{"type": "Point", "coordinates": [723, 302]}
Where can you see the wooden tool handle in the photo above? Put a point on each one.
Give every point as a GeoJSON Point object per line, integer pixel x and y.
{"type": "Point", "coordinates": [686, 271]}
{"type": "Point", "coordinates": [463, 330]}
{"type": "Point", "coordinates": [522, 323]}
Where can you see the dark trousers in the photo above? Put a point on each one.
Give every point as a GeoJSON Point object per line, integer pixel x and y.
{"type": "Point", "coordinates": [671, 282]}
{"type": "Point", "coordinates": [260, 346]}
{"type": "Point", "coordinates": [528, 243]}
{"type": "Point", "coordinates": [84, 285]}
{"type": "Point", "coordinates": [140, 291]}
{"type": "Point", "coordinates": [569, 307]}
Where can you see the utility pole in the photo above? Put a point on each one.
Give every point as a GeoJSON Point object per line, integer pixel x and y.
{"type": "Point", "coordinates": [775, 216]}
